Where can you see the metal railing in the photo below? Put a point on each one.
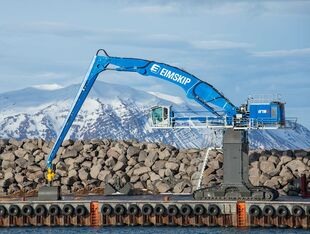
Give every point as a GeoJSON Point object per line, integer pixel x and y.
{"type": "Point", "coordinates": [264, 98]}
{"type": "Point", "coordinates": [224, 122]}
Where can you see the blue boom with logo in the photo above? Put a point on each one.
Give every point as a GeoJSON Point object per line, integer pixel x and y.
{"type": "Point", "coordinates": [200, 91]}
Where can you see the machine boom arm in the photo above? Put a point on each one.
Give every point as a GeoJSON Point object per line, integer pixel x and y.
{"type": "Point", "coordinates": [196, 89]}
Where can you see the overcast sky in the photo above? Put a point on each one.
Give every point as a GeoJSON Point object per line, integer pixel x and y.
{"type": "Point", "coordinates": [240, 47]}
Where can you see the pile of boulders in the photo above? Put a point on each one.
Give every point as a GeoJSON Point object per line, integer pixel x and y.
{"type": "Point", "coordinates": [86, 166]}
{"type": "Point", "coordinates": [278, 169]}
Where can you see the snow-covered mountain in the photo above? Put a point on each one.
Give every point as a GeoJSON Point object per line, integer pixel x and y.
{"type": "Point", "coordinates": [117, 112]}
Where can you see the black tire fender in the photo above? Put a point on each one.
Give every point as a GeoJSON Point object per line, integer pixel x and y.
{"type": "Point", "coordinates": [106, 209]}
{"type": "Point", "coordinates": [308, 211]}
{"type": "Point", "coordinates": [68, 209]}
{"type": "Point", "coordinates": [160, 209]}
{"type": "Point", "coordinates": [54, 210]}
{"type": "Point", "coordinates": [3, 211]}
{"type": "Point", "coordinates": [147, 209]}
{"type": "Point", "coordinates": [297, 211]}
{"type": "Point", "coordinates": [172, 210]}
{"type": "Point", "coordinates": [81, 210]}
{"type": "Point", "coordinates": [213, 210]}
{"type": "Point", "coordinates": [119, 209]}
{"type": "Point", "coordinates": [40, 210]}
{"type": "Point", "coordinates": [255, 211]}
{"type": "Point", "coordinates": [199, 209]}
{"type": "Point", "coordinates": [186, 210]}
{"type": "Point", "coordinates": [14, 210]}
{"type": "Point", "coordinates": [133, 209]}
{"type": "Point", "coordinates": [282, 211]}
{"type": "Point", "coordinates": [27, 210]}
{"type": "Point", "coordinates": [268, 210]}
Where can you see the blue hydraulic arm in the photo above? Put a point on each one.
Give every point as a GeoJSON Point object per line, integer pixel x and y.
{"type": "Point", "coordinates": [196, 89]}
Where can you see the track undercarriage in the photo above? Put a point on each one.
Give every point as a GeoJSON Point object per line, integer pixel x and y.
{"type": "Point", "coordinates": [233, 192]}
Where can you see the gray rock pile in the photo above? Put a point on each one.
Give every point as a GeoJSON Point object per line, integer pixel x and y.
{"type": "Point", "coordinates": [278, 169]}
{"type": "Point", "coordinates": [86, 166]}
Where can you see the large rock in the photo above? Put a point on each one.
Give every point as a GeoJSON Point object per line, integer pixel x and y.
{"type": "Point", "coordinates": [160, 164]}
{"type": "Point", "coordinates": [151, 146]}
{"type": "Point", "coordinates": [77, 146]}
{"type": "Point", "coordinates": [70, 162]}
{"type": "Point", "coordinates": [20, 152]}
{"type": "Point", "coordinates": [62, 173]}
{"type": "Point", "coordinates": [70, 154]}
{"type": "Point", "coordinates": [66, 143]}
{"type": "Point", "coordinates": [214, 164]}
{"type": "Point", "coordinates": [144, 177]}
{"type": "Point", "coordinates": [30, 146]}
{"type": "Point", "coordinates": [112, 153]}
{"type": "Point", "coordinates": [83, 174]}
{"type": "Point", "coordinates": [173, 166]}
{"type": "Point", "coordinates": [7, 156]}
{"type": "Point", "coordinates": [119, 166]}
{"type": "Point", "coordinates": [154, 176]}
{"type": "Point", "coordinates": [208, 171]}
{"type": "Point", "coordinates": [254, 180]}
{"type": "Point", "coordinates": [297, 167]}
{"type": "Point", "coordinates": [141, 170]}
{"type": "Point", "coordinates": [86, 164]}
{"type": "Point", "coordinates": [120, 148]}
{"type": "Point", "coordinates": [134, 179]}
{"type": "Point", "coordinates": [95, 170]}
{"type": "Point", "coordinates": [15, 142]}
{"type": "Point", "coordinates": [110, 162]}
{"type": "Point", "coordinates": [139, 185]}
{"type": "Point", "coordinates": [267, 166]}
{"type": "Point", "coordinates": [132, 161]}
{"type": "Point", "coordinates": [273, 182]}
{"type": "Point", "coordinates": [161, 173]}
{"type": "Point", "coordinates": [102, 153]}
{"type": "Point", "coordinates": [285, 159]}
{"type": "Point", "coordinates": [9, 175]}
{"type": "Point", "coordinates": [162, 187]}
{"type": "Point", "coordinates": [168, 173]}
{"type": "Point", "coordinates": [103, 175]}
{"type": "Point", "coordinates": [46, 148]}
{"type": "Point", "coordinates": [88, 147]}
{"type": "Point", "coordinates": [263, 178]}
{"type": "Point", "coordinates": [34, 168]}
{"type": "Point", "coordinates": [151, 159]}
{"type": "Point", "coordinates": [8, 165]}
{"type": "Point", "coordinates": [254, 172]}
{"type": "Point", "coordinates": [179, 187]}
{"type": "Point", "coordinates": [35, 175]}
{"type": "Point", "coordinates": [132, 151]}
{"type": "Point", "coordinates": [195, 175]}
{"type": "Point", "coordinates": [39, 157]}
{"type": "Point", "coordinates": [122, 158]}
{"type": "Point", "coordinates": [61, 166]}
{"type": "Point", "coordinates": [164, 155]}
{"type": "Point", "coordinates": [286, 174]}
{"type": "Point", "coordinates": [142, 156]}
{"type": "Point", "coordinates": [274, 159]}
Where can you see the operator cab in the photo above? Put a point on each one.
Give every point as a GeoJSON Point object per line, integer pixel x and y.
{"type": "Point", "coordinates": [161, 116]}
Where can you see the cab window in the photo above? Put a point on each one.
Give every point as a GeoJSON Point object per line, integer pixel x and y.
{"type": "Point", "coordinates": [157, 115]}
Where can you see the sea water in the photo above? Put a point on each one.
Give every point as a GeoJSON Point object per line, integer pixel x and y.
{"type": "Point", "coordinates": [142, 230]}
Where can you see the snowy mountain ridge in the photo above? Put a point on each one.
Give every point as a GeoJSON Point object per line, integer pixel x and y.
{"type": "Point", "coordinates": [118, 112]}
